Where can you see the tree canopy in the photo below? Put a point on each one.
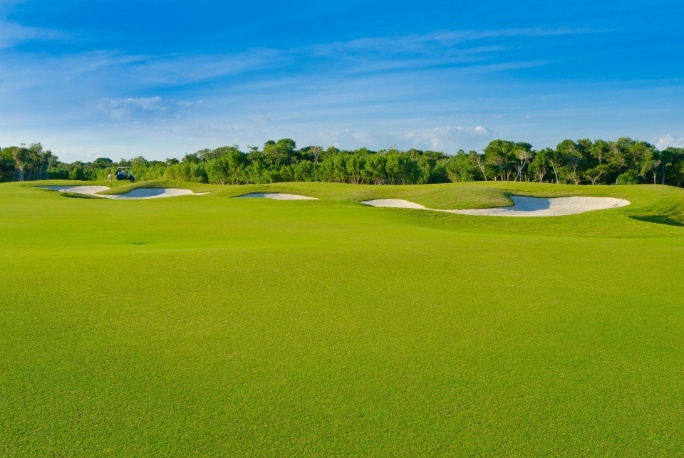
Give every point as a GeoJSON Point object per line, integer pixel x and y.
{"type": "Point", "coordinates": [583, 161]}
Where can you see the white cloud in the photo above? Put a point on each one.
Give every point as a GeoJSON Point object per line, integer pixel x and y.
{"type": "Point", "coordinates": [23, 74]}
{"type": "Point", "coordinates": [670, 141]}
{"type": "Point", "coordinates": [447, 138]}
{"type": "Point", "coordinates": [144, 107]}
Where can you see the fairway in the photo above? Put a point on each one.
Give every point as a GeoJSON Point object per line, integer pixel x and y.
{"type": "Point", "coordinates": [216, 326]}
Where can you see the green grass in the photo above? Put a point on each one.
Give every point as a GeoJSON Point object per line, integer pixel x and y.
{"type": "Point", "coordinates": [214, 326]}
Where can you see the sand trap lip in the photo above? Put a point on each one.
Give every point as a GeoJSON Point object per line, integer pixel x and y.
{"type": "Point", "coordinates": [523, 206]}
{"type": "Point", "coordinates": [135, 194]}
{"type": "Point", "coordinates": [276, 196]}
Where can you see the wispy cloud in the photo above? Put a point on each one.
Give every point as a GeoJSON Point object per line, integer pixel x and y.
{"type": "Point", "coordinates": [26, 73]}
{"type": "Point", "coordinates": [182, 70]}
{"type": "Point", "coordinates": [148, 73]}
{"type": "Point", "coordinates": [13, 34]}
{"type": "Point", "coordinates": [445, 58]}
{"type": "Point", "coordinates": [479, 51]}
{"type": "Point", "coordinates": [469, 35]}
{"type": "Point", "coordinates": [425, 43]}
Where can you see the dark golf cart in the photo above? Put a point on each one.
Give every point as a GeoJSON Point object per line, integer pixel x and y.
{"type": "Point", "coordinates": [124, 174]}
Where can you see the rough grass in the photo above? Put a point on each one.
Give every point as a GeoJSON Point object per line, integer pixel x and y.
{"type": "Point", "coordinates": [215, 326]}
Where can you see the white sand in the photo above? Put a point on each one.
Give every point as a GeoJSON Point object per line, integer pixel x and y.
{"type": "Point", "coordinates": [90, 190]}
{"type": "Point", "coordinates": [394, 203]}
{"type": "Point", "coordinates": [136, 194]}
{"type": "Point", "coordinates": [277, 196]}
{"type": "Point", "coordinates": [523, 206]}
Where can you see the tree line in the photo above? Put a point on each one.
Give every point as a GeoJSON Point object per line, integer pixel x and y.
{"type": "Point", "coordinates": [624, 161]}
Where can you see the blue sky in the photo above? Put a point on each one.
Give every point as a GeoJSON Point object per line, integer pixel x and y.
{"type": "Point", "coordinates": [163, 78]}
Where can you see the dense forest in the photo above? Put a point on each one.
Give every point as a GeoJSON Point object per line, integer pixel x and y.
{"type": "Point", "coordinates": [624, 161]}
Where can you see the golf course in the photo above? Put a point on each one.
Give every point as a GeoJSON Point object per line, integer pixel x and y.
{"type": "Point", "coordinates": [209, 325]}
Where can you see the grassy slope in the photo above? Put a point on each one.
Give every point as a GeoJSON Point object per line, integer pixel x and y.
{"type": "Point", "coordinates": [253, 326]}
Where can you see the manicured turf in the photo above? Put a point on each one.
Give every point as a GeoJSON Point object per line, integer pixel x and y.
{"type": "Point", "coordinates": [215, 326]}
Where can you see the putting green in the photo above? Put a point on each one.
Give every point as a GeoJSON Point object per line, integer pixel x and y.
{"type": "Point", "coordinates": [218, 326]}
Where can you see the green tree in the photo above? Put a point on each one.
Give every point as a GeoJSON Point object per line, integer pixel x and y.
{"type": "Point", "coordinates": [6, 164]}
{"type": "Point", "coordinates": [305, 171]}
{"type": "Point", "coordinates": [627, 177]}
{"type": "Point", "coordinates": [571, 156]}
{"type": "Point", "coordinates": [461, 167]}
{"type": "Point", "coordinates": [542, 163]}
{"type": "Point", "coordinates": [670, 160]}
{"type": "Point", "coordinates": [650, 165]}
{"type": "Point", "coordinates": [499, 154]}
{"type": "Point", "coordinates": [480, 162]}
{"type": "Point", "coordinates": [278, 153]}
{"type": "Point", "coordinates": [21, 157]}
{"type": "Point", "coordinates": [103, 163]}
{"type": "Point", "coordinates": [524, 155]}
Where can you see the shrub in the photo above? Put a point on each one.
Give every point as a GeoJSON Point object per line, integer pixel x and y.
{"type": "Point", "coordinates": [627, 178]}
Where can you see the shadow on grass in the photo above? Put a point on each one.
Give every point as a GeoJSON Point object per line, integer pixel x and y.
{"type": "Point", "coordinates": [659, 219]}
{"type": "Point", "coordinates": [75, 195]}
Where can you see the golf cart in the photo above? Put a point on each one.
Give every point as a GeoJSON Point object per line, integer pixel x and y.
{"type": "Point", "coordinates": [124, 173]}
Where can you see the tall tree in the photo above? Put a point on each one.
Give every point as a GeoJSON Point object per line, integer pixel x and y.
{"type": "Point", "coordinates": [6, 164]}
{"type": "Point", "coordinates": [571, 155]}
{"type": "Point", "coordinates": [541, 163]}
{"type": "Point", "coordinates": [480, 162]}
{"type": "Point", "coordinates": [524, 155]}
{"type": "Point", "coordinates": [499, 154]}
{"type": "Point", "coordinates": [461, 167]}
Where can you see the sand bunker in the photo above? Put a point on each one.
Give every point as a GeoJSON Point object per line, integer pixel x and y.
{"type": "Point", "coordinates": [89, 190]}
{"type": "Point", "coordinates": [394, 203]}
{"type": "Point", "coordinates": [136, 194]}
{"type": "Point", "coordinates": [523, 206]}
{"type": "Point", "coordinates": [278, 196]}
